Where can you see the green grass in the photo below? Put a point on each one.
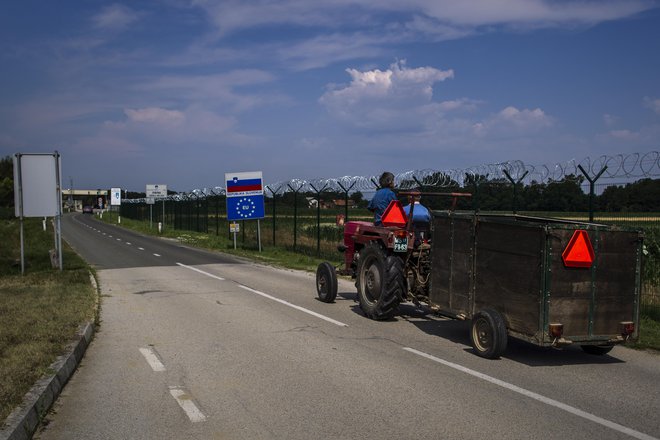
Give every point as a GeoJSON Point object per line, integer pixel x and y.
{"type": "Point", "coordinates": [649, 337]}
{"type": "Point", "coordinates": [41, 311]}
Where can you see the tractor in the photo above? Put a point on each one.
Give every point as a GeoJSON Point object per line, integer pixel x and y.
{"type": "Point", "coordinates": [391, 263]}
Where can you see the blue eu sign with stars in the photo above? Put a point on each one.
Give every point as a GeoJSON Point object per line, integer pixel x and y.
{"type": "Point", "coordinates": [245, 196]}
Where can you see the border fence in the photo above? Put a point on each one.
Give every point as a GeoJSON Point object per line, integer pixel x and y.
{"type": "Point", "coordinates": [301, 215]}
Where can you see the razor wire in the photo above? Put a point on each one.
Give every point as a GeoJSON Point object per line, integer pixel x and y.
{"type": "Point", "coordinates": [619, 166]}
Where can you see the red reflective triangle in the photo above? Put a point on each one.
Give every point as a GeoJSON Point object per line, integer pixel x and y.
{"type": "Point", "coordinates": [578, 252]}
{"type": "Point", "coordinates": [394, 215]}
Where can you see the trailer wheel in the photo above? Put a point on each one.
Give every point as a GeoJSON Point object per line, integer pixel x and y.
{"type": "Point", "coordinates": [326, 282]}
{"type": "Point", "coordinates": [598, 350]}
{"type": "Point", "coordinates": [488, 334]}
{"type": "Point", "coordinates": [380, 283]}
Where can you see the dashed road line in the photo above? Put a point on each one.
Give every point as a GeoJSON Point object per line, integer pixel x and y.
{"type": "Point", "coordinates": [141, 248]}
{"type": "Point", "coordinates": [201, 271]}
{"type": "Point", "coordinates": [187, 404]}
{"type": "Point", "coordinates": [286, 303]}
{"type": "Point", "coordinates": [152, 359]}
{"type": "Point", "coordinates": [265, 295]}
{"type": "Point", "coordinates": [156, 255]}
{"type": "Point", "coordinates": [548, 401]}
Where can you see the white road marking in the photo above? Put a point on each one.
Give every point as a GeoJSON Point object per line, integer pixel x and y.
{"type": "Point", "coordinates": [286, 303]}
{"type": "Point", "coordinates": [141, 248]}
{"type": "Point", "coordinates": [152, 359]}
{"type": "Point", "coordinates": [119, 239]}
{"type": "Point", "coordinates": [128, 243]}
{"type": "Point", "coordinates": [265, 295]}
{"type": "Point", "coordinates": [186, 403]}
{"type": "Point", "coordinates": [202, 272]}
{"type": "Point", "coordinates": [156, 255]}
{"type": "Point", "coordinates": [548, 401]}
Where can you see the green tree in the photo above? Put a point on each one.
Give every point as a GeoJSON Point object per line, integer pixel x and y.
{"type": "Point", "coordinates": [6, 182]}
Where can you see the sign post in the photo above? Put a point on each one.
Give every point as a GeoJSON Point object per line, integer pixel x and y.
{"type": "Point", "coordinates": [245, 199]}
{"type": "Point", "coordinates": [155, 192]}
{"type": "Point", "coordinates": [38, 193]}
{"type": "Point", "coordinates": [115, 200]}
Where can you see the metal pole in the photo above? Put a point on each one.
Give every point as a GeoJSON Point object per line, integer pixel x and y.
{"type": "Point", "coordinates": [515, 189]}
{"type": "Point", "coordinates": [592, 194]}
{"type": "Point", "coordinates": [318, 217]}
{"type": "Point", "coordinates": [19, 173]}
{"type": "Point", "coordinates": [59, 210]}
{"type": "Point", "coordinates": [274, 193]}
{"type": "Point", "coordinates": [259, 234]}
{"type": "Point", "coordinates": [346, 199]}
{"type": "Point", "coordinates": [295, 214]}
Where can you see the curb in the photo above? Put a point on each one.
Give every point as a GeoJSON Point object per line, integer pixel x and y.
{"type": "Point", "coordinates": [23, 422]}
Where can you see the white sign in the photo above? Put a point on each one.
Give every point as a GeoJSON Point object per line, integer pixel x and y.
{"type": "Point", "coordinates": [37, 190]}
{"type": "Point", "coordinates": [234, 227]}
{"type": "Point", "coordinates": [157, 191]}
{"type": "Point", "coordinates": [115, 197]}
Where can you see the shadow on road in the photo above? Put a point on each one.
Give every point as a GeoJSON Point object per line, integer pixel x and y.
{"type": "Point", "coordinates": [518, 351]}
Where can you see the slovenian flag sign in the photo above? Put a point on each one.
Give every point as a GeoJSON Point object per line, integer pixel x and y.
{"type": "Point", "coordinates": [245, 183]}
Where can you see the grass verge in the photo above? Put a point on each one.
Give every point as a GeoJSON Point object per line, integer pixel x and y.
{"type": "Point", "coordinates": [40, 312]}
{"type": "Point", "coordinates": [282, 257]}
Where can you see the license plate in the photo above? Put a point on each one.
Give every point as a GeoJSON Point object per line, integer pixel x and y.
{"type": "Point", "coordinates": [400, 244]}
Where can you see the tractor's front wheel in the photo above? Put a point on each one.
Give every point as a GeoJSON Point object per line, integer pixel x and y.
{"type": "Point", "coordinates": [380, 282]}
{"type": "Point", "coordinates": [326, 282]}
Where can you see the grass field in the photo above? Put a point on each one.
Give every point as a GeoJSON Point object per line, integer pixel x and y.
{"type": "Point", "coordinates": [41, 311]}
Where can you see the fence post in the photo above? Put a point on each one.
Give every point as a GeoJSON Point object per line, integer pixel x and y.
{"type": "Point", "coordinates": [346, 199]}
{"type": "Point", "coordinates": [295, 214]}
{"type": "Point", "coordinates": [318, 217]}
{"type": "Point", "coordinates": [274, 193]}
{"type": "Point", "coordinates": [515, 188]}
{"type": "Point", "coordinates": [592, 182]}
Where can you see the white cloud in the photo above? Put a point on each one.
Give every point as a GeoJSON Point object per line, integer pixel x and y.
{"type": "Point", "coordinates": [511, 122]}
{"type": "Point", "coordinates": [154, 115]}
{"type": "Point", "coordinates": [448, 18]}
{"type": "Point", "coordinates": [625, 135]}
{"type": "Point", "coordinates": [115, 17]}
{"type": "Point", "coordinates": [610, 119]}
{"type": "Point", "coordinates": [653, 104]}
{"type": "Point", "coordinates": [399, 98]}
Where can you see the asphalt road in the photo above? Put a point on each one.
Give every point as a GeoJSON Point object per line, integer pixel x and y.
{"type": "Point", "coordinates": [199, 345]}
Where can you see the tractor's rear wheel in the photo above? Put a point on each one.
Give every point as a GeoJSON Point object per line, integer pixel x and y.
{"type": "Point", "coordinates": [488, 334]}
{"type": "Point", "coordinates": [326, 282]}
{"type": "Point", "coordinates": [380, 282]}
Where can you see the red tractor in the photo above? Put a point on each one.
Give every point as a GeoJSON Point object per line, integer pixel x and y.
{"type": "Point", "coordinates": [391, 263]}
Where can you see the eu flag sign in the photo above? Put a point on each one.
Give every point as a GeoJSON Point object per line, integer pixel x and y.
{"type": "Point", "coordinates": [245, 196]}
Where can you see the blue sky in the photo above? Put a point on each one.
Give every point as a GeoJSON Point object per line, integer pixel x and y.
{"type": "Point", "coordinates": [180, 92]}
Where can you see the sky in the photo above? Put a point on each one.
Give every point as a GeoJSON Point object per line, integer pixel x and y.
{"type": "Point", "coordinates": [180, 92]}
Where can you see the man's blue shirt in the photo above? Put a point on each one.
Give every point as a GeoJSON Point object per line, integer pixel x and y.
{"type": "Point", "coordinates": [421, 214]}
{"type": "Point", "coordinates": [379, 203]}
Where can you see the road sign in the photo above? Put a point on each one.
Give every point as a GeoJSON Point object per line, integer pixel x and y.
{"type": "Point", "coordinates": [115, 197]}
{"type": "Point", "coordinates": [157, 191]}
{"type": "Point", "coordinates": [245, 208]}
{"type": "Point", "coordinates": [245, 196]}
